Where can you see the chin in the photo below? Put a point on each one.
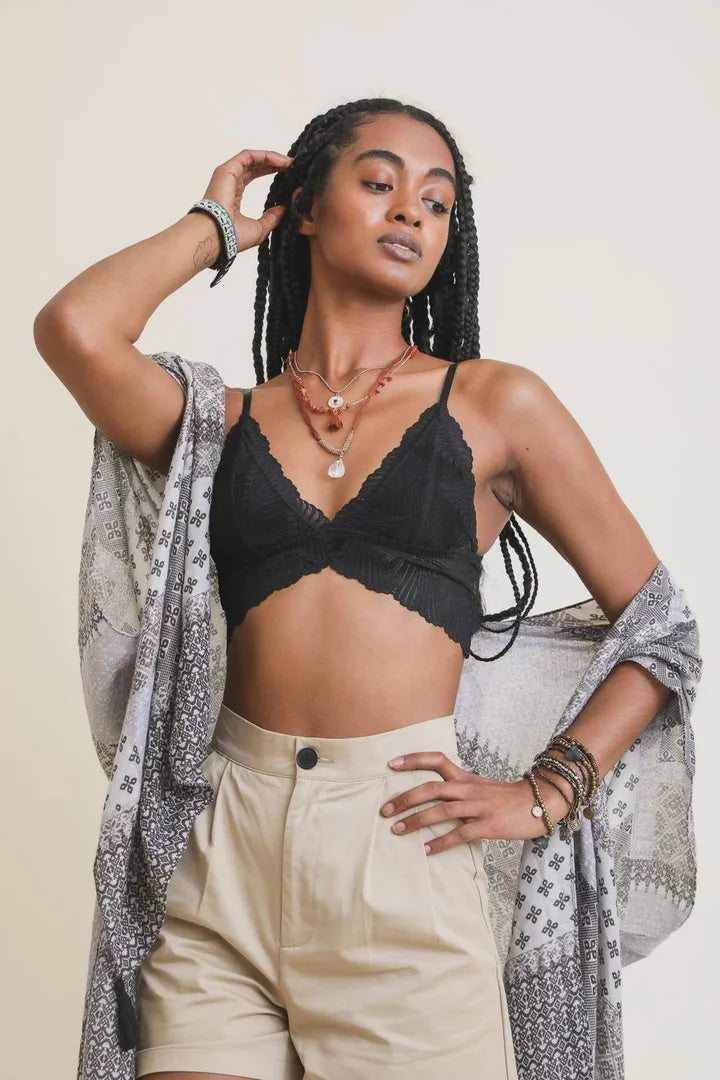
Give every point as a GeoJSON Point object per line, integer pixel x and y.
{"type": "Point", "coordinates": [389, 286]}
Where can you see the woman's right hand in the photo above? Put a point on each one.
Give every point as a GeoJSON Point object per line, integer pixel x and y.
{"type": "Point", "coordinates": [228, 183]}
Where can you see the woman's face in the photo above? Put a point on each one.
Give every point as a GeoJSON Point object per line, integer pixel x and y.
{"type": "Point", "coordinates": [398, 177]}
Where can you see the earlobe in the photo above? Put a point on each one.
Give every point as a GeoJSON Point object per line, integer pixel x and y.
{"type": "Point", "coordinates": [306, 223]}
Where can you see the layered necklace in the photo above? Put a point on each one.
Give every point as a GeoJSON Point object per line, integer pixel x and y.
{"type": "Point", "coordinates": [336, 403]}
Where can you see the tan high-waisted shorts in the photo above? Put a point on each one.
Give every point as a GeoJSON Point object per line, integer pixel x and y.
{"type": "Point", "coordinates": [304, 938]}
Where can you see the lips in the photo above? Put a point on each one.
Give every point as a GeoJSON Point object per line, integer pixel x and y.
{"type": "Point", "coordinates": [403, 240]}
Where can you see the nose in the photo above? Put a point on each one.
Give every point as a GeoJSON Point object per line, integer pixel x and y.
{"type": "Point", "coordinates": [405, 208]}
{"type": "Point", "coordinates": [408, 218]}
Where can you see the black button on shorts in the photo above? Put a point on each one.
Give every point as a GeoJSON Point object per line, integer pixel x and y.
{"type": "Point", "coordinates": [307, 758]}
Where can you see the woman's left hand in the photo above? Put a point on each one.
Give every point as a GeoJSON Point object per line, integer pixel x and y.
{"type": "Point", "coordinates": [488, 808]}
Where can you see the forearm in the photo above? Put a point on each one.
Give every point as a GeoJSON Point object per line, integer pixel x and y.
{"type": "Point", "coordinates": [116, 296]}
{"type": "Point", "coordinates": [615, 715]}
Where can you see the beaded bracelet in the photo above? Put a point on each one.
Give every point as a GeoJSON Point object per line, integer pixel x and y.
{"type": "Point", "coordinates": [575, 751]}
{"type": "Point", "coordinates": [538, 809]}
{"type": "Point", "coordinates": [570, 822]}
{"type": "Point", "coordinates": [578, 783]}
{"type": "Point", "coordinates": [549, 780]}
{"type": "Point", "coordinates": [584, 785]}
{"type": "Point", "coordinates": [565, 824]}
{"type": "Point", "coordinates": [583, 788]}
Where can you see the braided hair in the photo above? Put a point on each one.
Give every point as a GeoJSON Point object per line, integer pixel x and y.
{"type": "Point", "coordinates": [442, 319]}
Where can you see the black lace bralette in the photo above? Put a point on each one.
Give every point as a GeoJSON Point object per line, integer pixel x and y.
{"type": "Point", "coordinates": [410, 531]}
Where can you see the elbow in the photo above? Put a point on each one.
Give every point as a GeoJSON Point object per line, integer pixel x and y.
{"type": "Point", "coordinates": [59, 333]}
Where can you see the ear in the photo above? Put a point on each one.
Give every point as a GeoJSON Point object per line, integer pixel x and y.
{"type": "Point", "coordinates": [307, 225]}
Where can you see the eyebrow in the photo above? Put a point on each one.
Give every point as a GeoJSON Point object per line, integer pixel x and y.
{"type": "Point", "coordinates": [395, 159]}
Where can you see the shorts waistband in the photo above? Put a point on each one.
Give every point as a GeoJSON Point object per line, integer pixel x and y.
{"type": "Point", "coordinates": [351, 758]}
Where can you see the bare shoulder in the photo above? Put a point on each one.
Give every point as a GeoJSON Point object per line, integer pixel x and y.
{"type": "Point", "coordinates": [234, 398]}
{"type": "Point", "coordinates": [498, 382]}
{"type": "Point", "coordinates": [507, 399]}
{"type": "Point", "coordinates": [233, 406]}
{"type": "Point", "coordinates": [514, 397]}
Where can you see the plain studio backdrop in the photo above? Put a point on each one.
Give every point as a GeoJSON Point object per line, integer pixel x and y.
{"type": "Point", "coordinates": [591, 131]}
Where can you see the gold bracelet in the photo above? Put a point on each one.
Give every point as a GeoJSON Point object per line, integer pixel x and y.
{"type": "Point", "coordinates": [571, 822]}
{"type": "Point", "coordinates": [538, 809]}
{"type": "Point", "coordinates": [557, 765]}
{"type": "Point", "coordinates": [590, 777]}
{"type": "Point", "coordinates": [584, 783]}
{"type": "Point", "coordinates": [556, 786]}
{"type": "Point", "coordinates": [590, 773]}
{"type": "Point", "coordinates": [574, 750]}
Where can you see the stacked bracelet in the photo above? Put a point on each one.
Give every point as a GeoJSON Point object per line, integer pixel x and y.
{"type": "Point", "coordinates": [228, 238]}
{"type": "Point", "coordinates": [583, 784]}
{"type": "Point", "coordinates": [538, 809]}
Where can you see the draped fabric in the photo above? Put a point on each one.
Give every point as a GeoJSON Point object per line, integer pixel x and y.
{"type": "Point", "coordinates": [567, 915]}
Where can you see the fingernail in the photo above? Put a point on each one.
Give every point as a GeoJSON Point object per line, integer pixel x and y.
{"type": "Point", "coordinates": [396, 761]}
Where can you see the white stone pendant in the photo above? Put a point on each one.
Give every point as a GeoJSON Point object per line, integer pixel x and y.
{"type": "Point", "coordinates": [336, 401]}
{"type": "Point", "coordinates": [337, 468]}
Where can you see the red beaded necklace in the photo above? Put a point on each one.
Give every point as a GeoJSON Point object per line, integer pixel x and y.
{"type": "Point", "coordinates": [337, 406]}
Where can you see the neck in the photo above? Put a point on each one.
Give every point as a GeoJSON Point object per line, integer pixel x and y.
{"type": "Point", "coordinates": [340, 336]}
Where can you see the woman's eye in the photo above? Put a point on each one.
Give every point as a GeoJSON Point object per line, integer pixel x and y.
{"type": "Point", "coordinates": [439, 207]}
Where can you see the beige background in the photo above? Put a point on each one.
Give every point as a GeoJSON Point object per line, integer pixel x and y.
{"type": "Point", "coordinates": [591, 130]}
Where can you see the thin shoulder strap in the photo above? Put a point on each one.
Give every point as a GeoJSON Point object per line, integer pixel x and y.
{"type": "Point", "coordinates": [447, 383]}
{"type": "Point", "coordinates": [246, 400]}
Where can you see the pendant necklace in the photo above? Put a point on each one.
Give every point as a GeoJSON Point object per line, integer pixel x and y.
{"type": "Point", "coordinates": [337, 404]}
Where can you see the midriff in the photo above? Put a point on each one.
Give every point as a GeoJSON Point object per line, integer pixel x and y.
{"type": "Point", "coordinates": [327, 657]}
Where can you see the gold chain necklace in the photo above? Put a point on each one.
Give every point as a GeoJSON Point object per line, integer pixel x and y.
{"type": "Point", "coordinates": [335, 404]}
{"type": "Point", "coordinates": [337, 467]}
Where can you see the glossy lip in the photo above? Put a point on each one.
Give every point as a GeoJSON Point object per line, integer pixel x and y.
{"type": "Point", "coordinates": [402, 238]}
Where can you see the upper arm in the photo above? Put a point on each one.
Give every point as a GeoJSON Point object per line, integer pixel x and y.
{"type": "Point", "coordinates": [125, 394]}
{"type": "Point", "coordinates": [562, 489]}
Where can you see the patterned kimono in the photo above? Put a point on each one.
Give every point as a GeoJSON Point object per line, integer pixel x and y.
{"type": "Point", "coordinates": [567, 915]}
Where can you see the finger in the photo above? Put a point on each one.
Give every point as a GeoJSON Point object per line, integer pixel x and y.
{"type": "Point", "coordinates": [262, 161]}
{"type": "Point", "coordinates": [246, 157]}
{"type": "Point", "coordinates": [243, 168]}
{"type": "Point", "coordinates": [269, 220]}
{"type": "Point", "coordinates": [427, 759]}
{"type": "Point", "coordinates": [462, 835]}
{"type": "Point", "coordinates": [435, 815]}
{"type": "Point", "coordinates": [431, 789]}
{"type": "Point", "coordinates": [262, 168]}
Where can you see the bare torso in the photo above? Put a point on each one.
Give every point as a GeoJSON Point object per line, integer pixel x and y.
{"type": "Point", "coordinates": [327, 657]}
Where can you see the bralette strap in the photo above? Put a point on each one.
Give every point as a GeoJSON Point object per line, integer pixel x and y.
{"type": "Point", "coordinates": [449, 376]}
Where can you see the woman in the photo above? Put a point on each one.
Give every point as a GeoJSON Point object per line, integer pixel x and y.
{"type": "Point", "coordinates": [308, 933]}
